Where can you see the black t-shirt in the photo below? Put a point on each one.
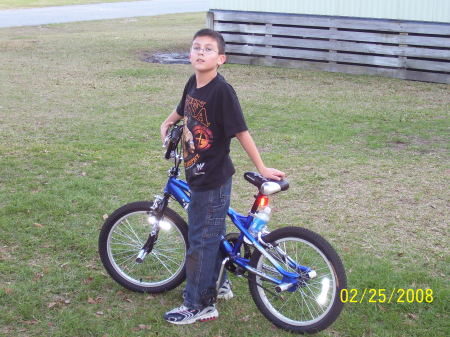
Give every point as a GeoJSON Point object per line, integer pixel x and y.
{"type": "Point", "coordinates": [212, 116]}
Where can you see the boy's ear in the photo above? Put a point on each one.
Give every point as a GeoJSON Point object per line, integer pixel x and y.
{"type": "Point", "coordinates": [222, 59]}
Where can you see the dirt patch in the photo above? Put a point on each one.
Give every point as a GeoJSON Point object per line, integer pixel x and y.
{"type": "Point", "coordinates": [432, 145]}
{"type": "Point", "coordinates": [167, 58]}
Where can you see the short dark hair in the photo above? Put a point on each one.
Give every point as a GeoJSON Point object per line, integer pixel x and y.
{"type": "Point", "coordinates": [214, 35]}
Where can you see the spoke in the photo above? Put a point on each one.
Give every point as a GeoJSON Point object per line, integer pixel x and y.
{"type": "Point", "coordinates": [319, 281]}
{"type": "Point", "coordinates": [305, 295]}
{"type": "Point", "coordinates": [318, 308]}
{"type": "Point", "coordinates": [285, 302]}
{"type": "Point", "coordinates": [163, 264]}
{"type": "Point", "coordinates": [170, 249]}
{"type": "Point", "coordinates": [133, 265]}
{"type": "Point", "coordinates": [324, 267]}
{"type": "Point", "coordinates": [130, 228]}
{"type": "Point", "coordinates": [124, 235]}
{"type": "Point", "coordinates": [159, 270]}
{"type": "Point", "coordinates": [322, 307]}
{"type": "Point", "coordinates": [124, 252]}
{"type": "Point", "coordinates": [302, 305]}
{"type": "Point", "coordinates": [169, 261]}
{"type": "Point", "coordinates": [270, 268]}
{"type": "Point", "coordinates": [296, 251]}
{"type": "Point", "coordinates": [311, 285]}
{"type": "Point", "coordinates": [120, 243]}
{"type": "Point", "coordinates": [166, 257]}
{"type": "Point", "coordinates": [127, 258]}
{"type": "Point", "coordinates": [307, 306]}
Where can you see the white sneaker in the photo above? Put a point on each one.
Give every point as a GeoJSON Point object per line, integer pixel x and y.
{"type": "Point", "coordinates": [184, 315]}
{"type": "Point", "coordinates": [225, 292]}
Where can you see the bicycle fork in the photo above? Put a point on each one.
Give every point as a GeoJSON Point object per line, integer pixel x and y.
{"type": "Point", "coordinates": [154, 218]}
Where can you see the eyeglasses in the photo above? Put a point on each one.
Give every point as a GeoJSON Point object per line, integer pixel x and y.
{"type": "Point", "coordinates": [206, 50]}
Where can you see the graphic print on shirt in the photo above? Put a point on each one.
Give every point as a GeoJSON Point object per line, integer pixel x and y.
{"type": "Point", "coordinates": [197, 137]}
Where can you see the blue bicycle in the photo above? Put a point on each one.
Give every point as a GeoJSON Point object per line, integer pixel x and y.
{"type": "Point", "coordinates": [294, 275]}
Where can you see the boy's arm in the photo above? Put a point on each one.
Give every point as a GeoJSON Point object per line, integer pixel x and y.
{"type": "Point", "coordinates": [249, 146]}
{"type": "Point", "coordinates": [172, 119]}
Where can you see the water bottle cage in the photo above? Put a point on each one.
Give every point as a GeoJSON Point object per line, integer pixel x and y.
{"type": "Point", "coordinates": [262, 242]}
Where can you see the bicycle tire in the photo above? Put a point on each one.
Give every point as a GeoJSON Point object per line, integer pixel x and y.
{"type": "Point", "coordinates": [316, 304]}
{"type": "Point", "coordinates": [122, 236]}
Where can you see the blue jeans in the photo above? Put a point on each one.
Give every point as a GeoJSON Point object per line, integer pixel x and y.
{"type": "Point", "coordinates": [206, 216]}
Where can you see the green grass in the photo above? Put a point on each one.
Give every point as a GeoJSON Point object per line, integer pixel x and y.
{"type": "Point", "coordinates": [14, 4]}
{"type": "Point", "coordinates": [367, 159]}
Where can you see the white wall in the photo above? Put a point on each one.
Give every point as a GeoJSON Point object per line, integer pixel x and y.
{"type": "Point", "coordinates": [420, 10]}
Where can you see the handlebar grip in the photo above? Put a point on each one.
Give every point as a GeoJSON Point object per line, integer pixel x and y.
{"type": "Point", "coordinates": [174, 139]}
{"type": "Point", "coordinates": [169, 150]}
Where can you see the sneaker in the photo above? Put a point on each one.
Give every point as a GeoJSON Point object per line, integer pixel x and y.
{"type": "Point", "coordinates": [225, 292]}
{"type": "Point", "coordinates": [184, 315]}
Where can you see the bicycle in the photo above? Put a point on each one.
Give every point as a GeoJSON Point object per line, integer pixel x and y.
{"type": "Point", "coordinates": [294, 275]}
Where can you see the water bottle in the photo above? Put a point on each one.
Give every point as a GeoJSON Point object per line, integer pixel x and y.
{"type": "Point", "coordinates": [260, 221]}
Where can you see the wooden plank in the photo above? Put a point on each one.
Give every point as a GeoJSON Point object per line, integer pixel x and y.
{"type": "Point", "coordinates": [359, 47]}
{"type": "Point", "coordinates": [428, 65]}
{"type": "Point", "coordinates": [277, 41]}
{"type": "Point", "coordinates": [239, 27]}
{"type": "Point", "coordinates": [278, 52]}
{"type": "Point", "coordinates": [393, 25]}
{"type": "Point", "coordinates": [426, 77]}
{"type": "Point", "coordinates": [384, 61]}
{"type": "Point", "coordinates": [426, 28]}
{"type": "Point", "coordinates": [427, 53]}
{"type": "Point", "coordinates": [336, 35]}
{"type": "Point", "coordinates": [336, 22]}
{"type": "Point", "coordinates": [313, 65]}
{"type": "Point", "coordinates": [307, 33]}
{"type": "Point", "coordinates": [285, 19]}
{"type": "Point", "coordinates": [425, 41]}
{"type": "Point", "coordinates": [210, 19]}
{"type": "Point", "coordinates": [344, 68]}
{"type": "Point", "coordinates": [314, 55]}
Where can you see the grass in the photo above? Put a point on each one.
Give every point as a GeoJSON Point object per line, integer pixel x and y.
{"type": "Point", "coordinates": [367, 158]}
{"type": "Point", "coordinates": [15, 4]}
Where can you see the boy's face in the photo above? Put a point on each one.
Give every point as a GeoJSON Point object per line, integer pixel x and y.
{"type": "Point", "coordinates": [204, 55]}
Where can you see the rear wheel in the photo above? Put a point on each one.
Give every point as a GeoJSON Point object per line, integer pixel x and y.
{"type": "Point", "coordinates": [123, 235]}
{"type": "Point", "coordinates": [315, 303]}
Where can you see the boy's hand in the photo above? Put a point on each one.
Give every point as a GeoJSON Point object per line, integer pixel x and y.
{"type": "Point", "coordinates": [271, 173]}
{"type": "Point", "coordinates": [173, 118]}
{"type": "Point", "coordinates": [165, 129]}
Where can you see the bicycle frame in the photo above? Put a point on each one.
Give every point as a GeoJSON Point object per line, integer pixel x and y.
{"type": "Point", "coordinates": [179, 190]}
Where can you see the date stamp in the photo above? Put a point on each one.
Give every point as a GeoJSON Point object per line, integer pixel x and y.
{"type": "Point", "coordinates": [396, 295]}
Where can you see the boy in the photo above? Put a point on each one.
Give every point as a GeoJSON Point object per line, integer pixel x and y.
{"type": "Point", "coordinates": [212, 117]}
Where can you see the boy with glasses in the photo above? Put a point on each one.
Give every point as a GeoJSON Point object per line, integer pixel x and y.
{"type": "Point", "coordinates": [212, 117]}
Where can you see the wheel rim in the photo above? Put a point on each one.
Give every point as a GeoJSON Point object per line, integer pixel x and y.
{"type": "Point", "coordinates": [163, 264]}
{"type": "Point", "coordinates": [308, 304]}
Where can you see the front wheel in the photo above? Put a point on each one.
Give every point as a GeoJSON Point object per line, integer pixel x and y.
{"type": "Point", "coordinates": [314, 303]}
{"type": "Point", "coordinates": [123, 235]}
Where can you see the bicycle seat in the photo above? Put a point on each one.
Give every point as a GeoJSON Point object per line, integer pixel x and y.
{"type": "Point", "coordinates": [266, 186]}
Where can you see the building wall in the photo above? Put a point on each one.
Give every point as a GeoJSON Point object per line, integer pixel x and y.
{"type": "Point", "coordinates": [415, 10]}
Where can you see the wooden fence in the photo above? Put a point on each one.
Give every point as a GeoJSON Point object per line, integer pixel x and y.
{"type": "Point", "coordinates": [402, 49]}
